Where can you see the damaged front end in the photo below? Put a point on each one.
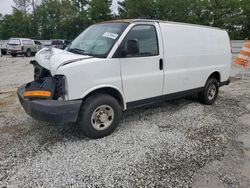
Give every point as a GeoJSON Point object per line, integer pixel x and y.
{"type": "Point", "coordinates": [45, 86]}
{"type": "Point", "coordinates": [45, 98]}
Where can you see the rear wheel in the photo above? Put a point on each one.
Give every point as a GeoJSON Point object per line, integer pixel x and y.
{"type": "Point", "coordinates": [13, 55]}
{"type": "Point", "coordinates": [99, 116]}
{"type": "Point", "coordinates": [209, 95]}
{"type": "Point", "coordinates": [28, 53]}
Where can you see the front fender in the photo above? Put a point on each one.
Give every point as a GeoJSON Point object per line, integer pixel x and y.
{"type": "Point", "coordinates": [87, 92]}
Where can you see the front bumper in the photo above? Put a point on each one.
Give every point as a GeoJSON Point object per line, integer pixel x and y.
{"type": "Point", "coordinates": [15, 52]}
{"type": "Point", "coordinates": [53, 111]}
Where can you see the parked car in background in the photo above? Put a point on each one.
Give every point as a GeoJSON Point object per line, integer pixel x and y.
{"type": "Point", "coordinates": [3, 48]}
{"type": "Point", "coordinates": [68, 42]}
{"type": "Point", "coordinates": [58, 43]}
{"type": "Point", "coordinates": [23, 46]}
{"type": "Point", "coordinates": [38, 44]}
{"type": "Point", "coordinates": [47, 43]}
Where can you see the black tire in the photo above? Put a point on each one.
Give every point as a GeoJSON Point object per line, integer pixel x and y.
{"type": "Point", "coordinates": [90, 111]}
{"type": "Point", "coordinates": [3, 52]}
{"type": "Point", "coordinates": [209, 95]}
{"type": "Point", "coordinates": [13, 55]}
{"type": "Point", "coordinates": [28, 53]}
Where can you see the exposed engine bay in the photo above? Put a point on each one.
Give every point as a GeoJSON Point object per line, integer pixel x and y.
{"type": "Point", "coordinates": [44, 81]}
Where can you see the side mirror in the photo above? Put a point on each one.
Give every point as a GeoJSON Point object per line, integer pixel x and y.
{"type": "Point", "coordinates": [131, 47]}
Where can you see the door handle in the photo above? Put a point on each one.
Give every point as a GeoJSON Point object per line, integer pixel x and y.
{"type": "Point", "coordinates": [161, 64]}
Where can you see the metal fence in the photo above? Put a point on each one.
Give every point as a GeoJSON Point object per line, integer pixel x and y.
{"type": "Point", "coordinates": [236, 44]}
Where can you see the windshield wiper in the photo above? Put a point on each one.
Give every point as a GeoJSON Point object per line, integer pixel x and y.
{"type": "Point", "coordinates": [77, 50]}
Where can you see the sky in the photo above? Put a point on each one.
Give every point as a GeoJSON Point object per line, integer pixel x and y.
{"type": "Point", "coordinates": [5, 6]}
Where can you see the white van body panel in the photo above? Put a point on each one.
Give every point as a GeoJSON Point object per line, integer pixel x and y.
{"type": "Point", "coordinates": [191, 54]}
{"type": "Point", "coordinates": [53, 58]}
{"type": "Point", "coordinates": [141, 76]}
{"type": "Point", "coordinates": [85, 76]}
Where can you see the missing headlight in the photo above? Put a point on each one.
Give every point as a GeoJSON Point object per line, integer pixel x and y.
{"type": "Point", "coordinates": [40, 90]}
{"type": "Point", "coordinates": [60, 91]}
{"type": "Point", "coordinates": [39, 72]}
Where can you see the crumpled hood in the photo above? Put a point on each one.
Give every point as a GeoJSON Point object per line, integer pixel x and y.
{"type": "Point", "coordinates": [53, 58]}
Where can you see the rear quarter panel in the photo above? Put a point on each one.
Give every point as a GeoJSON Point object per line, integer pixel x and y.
{"type": "Point", "coordinates": [31, 47]}
{"type": "Point", "coordinates": [192, 53]}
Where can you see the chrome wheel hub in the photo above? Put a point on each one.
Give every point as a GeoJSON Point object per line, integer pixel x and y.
{"type": "Point", "coordinates": [211, 92]}
{"type": "Point", "coordinates": [102, 117]}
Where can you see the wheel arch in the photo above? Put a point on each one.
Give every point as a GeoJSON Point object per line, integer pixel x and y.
{"type": "Point", "coordinates": [107, 89]}
{"type": "Point", "coordinates": [215, 74]}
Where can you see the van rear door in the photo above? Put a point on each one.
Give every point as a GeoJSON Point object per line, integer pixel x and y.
{"type": "Point", "coordinates": [142, 73]}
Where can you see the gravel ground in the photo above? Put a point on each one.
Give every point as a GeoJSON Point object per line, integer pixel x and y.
{"type": "Point", "coordinates": [173, 144]}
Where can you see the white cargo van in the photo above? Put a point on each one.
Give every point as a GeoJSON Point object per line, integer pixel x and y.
{"type": "Point", "coordinates": [118, 65]}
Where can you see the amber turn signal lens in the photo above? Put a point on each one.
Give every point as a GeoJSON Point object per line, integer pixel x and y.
{"type": "Point", "coordinates": [37, 93]}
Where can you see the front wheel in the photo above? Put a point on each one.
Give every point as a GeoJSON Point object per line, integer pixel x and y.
{"type": "Point", "coordinates": [3, 52]}
{"type": "Point", "coordinates": [209, 95]}
{"type": "Point", "coordinates": [99, 116]}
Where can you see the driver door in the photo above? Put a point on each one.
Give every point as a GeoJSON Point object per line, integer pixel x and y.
{"type": "Point", "coordinates": [142, 73]}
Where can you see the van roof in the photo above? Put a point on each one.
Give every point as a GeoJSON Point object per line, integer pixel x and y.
{"type": "Point", "coordinates": [159, 21]}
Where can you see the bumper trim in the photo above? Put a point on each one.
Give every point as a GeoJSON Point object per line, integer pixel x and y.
{"type": "Point", "coordinates": [50, 110]}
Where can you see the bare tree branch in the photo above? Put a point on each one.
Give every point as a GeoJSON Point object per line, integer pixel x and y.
{"type": "Point", "coordinates": [23, 5]}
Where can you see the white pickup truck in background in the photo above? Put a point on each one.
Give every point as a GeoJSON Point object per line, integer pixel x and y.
{"type": "Point", "coordinates": [118, 65]}
{"type": "Point", "coordinates": [21, 46]}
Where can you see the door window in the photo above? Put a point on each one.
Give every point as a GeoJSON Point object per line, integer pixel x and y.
{"type": "Point", "coordinates": [146, 37]}
{"type": "Point", "coordinates": [27, 42]}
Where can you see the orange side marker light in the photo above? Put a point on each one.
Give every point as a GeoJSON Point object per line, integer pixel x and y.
{"type": "Point", "coordinates": [37, 93]}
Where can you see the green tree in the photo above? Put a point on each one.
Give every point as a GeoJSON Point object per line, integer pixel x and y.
{"type": "Point", "coordinates": [246, 21]}
{"type": "Point", "coordinates": [145, 9]}
{"type": "Point", "coordinates": [99, 10]}
{"type": "Point", "coordinates": [80, 4]}
{"type": "Point", "coordinates": [190, 11]}
{"type": "Point", "coordinates": [227, 14]}
{"type": "Point", "coordinates": [15, 25]}
{"type": "Point", "coordinates": [67, 18]}
{"type": "Point", "coordinates": [232, 15]}
{"type": "Point", "coordinates": [175, 10]}
{"type": "Point", "coordinates": [59, 19]}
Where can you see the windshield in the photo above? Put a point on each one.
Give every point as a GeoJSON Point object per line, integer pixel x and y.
{"type": "Point", "coordinates": [97, 40]}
